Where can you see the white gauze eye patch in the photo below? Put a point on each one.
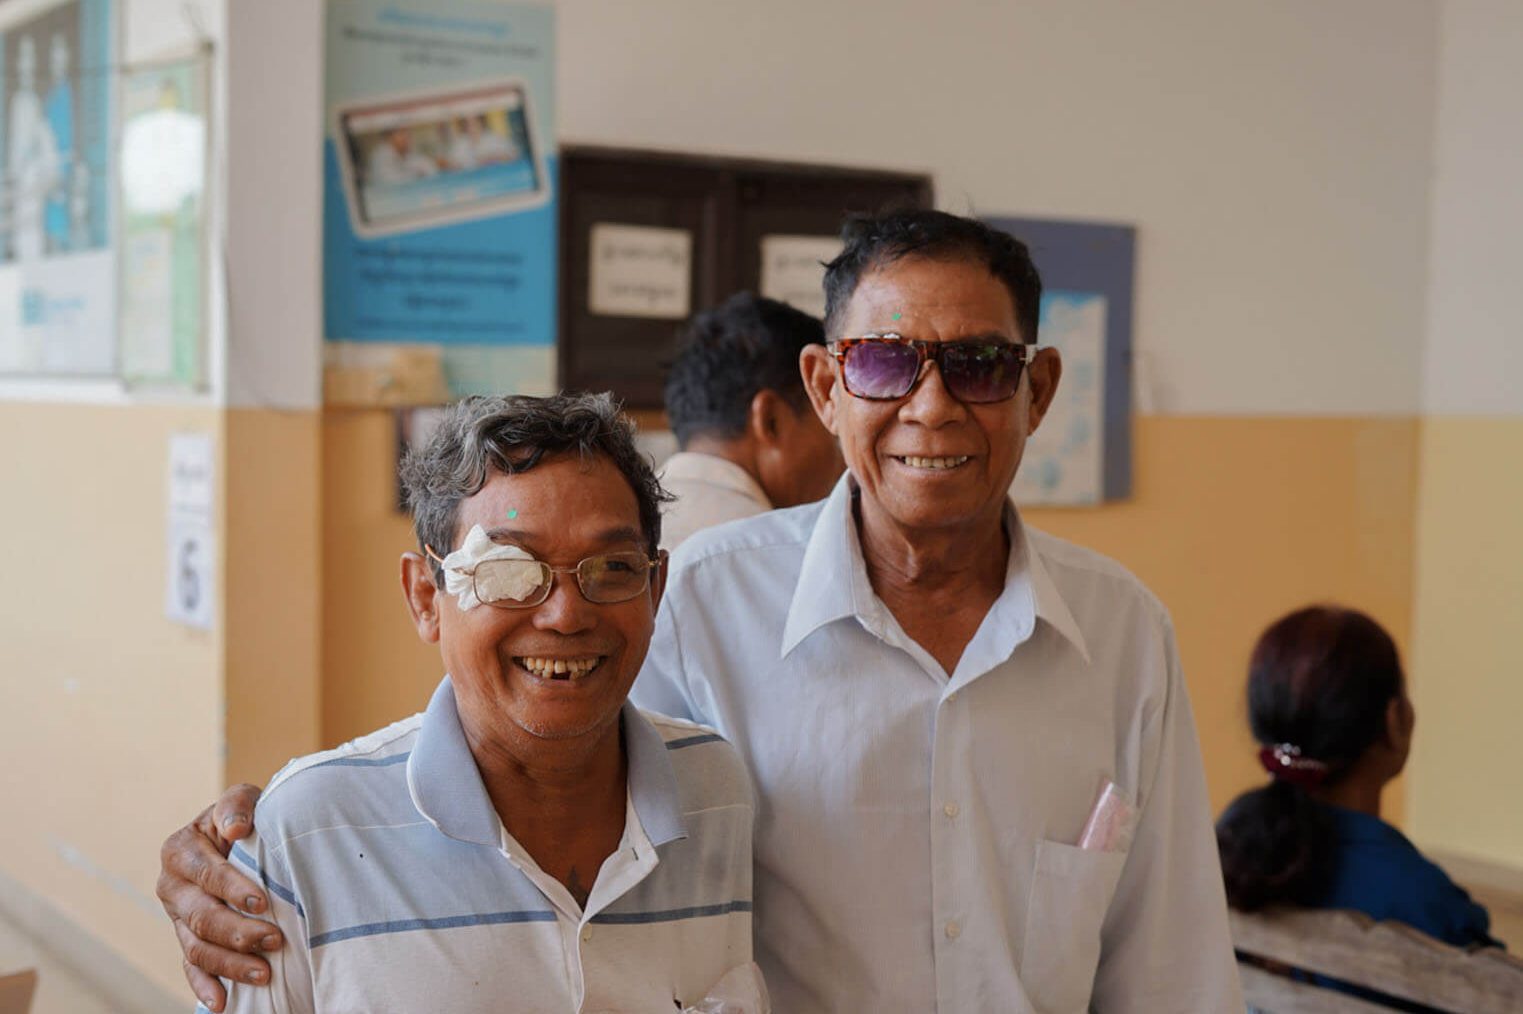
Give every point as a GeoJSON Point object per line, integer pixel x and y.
{"type": "Point", "coordinates": [505, 582]}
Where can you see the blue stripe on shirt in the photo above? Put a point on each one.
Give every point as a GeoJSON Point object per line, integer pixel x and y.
{"type": "Point", "coordinates": [278, 889]}
{"type": "Point", "coordinates": [708, 737]}
{"type": "Point", "coordinates": [362, 762]}
{"type": "Point", "coordinates": [671, 915]}
{"type": "Point", "coordinates": [375, 929]}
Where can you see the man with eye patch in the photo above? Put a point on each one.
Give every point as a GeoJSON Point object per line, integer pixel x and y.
{"type": "Point", "coordinates": [979, 784]}
{"type": "Point", "coordinates": [532, 826]}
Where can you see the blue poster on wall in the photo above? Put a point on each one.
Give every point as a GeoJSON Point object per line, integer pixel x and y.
{"type": "Point", "coordinates": [1082, 453]}
{"type": "Point", "coordinates": [439, 206]}
{"type": "Point", "coordinates": [57, 267]}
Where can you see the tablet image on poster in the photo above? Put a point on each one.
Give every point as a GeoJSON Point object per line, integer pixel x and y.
{"type": "Point", "coordinates": [57, 273]}
{"type": "Point", "coordinates": [424, 161]}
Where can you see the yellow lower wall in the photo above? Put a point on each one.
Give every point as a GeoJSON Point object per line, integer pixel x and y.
{"type": "Point", "coordinates": [113, 715]}
{"type": "Point", "coordinates": [121, 725]}
{"type": "Point", "coordinates": [1234, 521]}
{"type": "Point", "coordinates": [274, 591]}
{"type": "Point", "coordinates": [375, 669]}
{"type": "Point", "coordinates": [1467, 770]}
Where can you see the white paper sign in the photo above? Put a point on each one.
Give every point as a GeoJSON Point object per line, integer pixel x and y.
{"type": "Point", "coordinates": [641, 271]}
{"type": "Point", "coordinates": [190, 543]}
{"type": "Point", "coordinates": [793, 270]}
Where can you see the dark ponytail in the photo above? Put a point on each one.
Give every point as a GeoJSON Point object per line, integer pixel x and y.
{"type": "Point", "coordinates": [1319, 683]}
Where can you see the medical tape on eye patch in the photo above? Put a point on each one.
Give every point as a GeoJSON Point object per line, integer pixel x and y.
{"type": "Point", "coordinates": [460, 568]}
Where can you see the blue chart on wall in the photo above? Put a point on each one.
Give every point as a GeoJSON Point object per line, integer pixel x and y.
{"type": "Point", "coordinates": [1082, 453]}
{"type": "Point", "coordinates": [440, 207]}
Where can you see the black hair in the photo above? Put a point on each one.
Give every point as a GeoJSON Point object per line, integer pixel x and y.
{"type": "Point", "coordinates": [480, 435]}
{"type": "Point", "coordinates": [873, 241]}
{"type": "Point", "coordinates": [1320, 680]}
{"type": "Point", "coordinates": [728, 355]}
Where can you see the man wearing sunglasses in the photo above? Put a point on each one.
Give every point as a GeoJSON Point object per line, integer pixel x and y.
{"type": "Point", "coordinates": [979, 782]}
{"type": "Point", "coordinates": [931, 696]}
{"type": "Point", "coordinates": [531, 826]}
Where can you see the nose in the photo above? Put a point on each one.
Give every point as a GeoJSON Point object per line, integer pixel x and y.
{"type": "Point", "coordinates": [930, 404]}
{"type": "Point", "coordinates": [566, 611]}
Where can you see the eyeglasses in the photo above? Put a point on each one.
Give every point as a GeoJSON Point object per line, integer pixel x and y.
{"type": "Point", "coordinates": [523, 584]}
{"type": "Point", "coordinates": [886, 367]}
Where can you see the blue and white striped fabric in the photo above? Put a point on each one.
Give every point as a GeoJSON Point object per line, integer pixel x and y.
{"type": "Point", "coordinates": [398, 889]}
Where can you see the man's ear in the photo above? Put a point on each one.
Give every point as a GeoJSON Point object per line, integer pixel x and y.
{"type": "Point", "coordinates": [766, 422]}
{"type": "Point", "coordinates": [1043, 374]}
{"type": "Point", "coordinates": [658, 578]}
{"type": "Point", "coordinates": [819, 371]}
{"type": "Point", "coordinates": [423, 598]}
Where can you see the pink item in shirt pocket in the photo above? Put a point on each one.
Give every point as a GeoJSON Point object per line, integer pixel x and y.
{"type": "Point", "coordinates": [1110, 824]}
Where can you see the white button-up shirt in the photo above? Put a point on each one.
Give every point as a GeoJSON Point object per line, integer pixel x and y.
{"type": "Point", "coordinates": [916, 834]}
{"type": "Point", "coordinates": [709, 491]}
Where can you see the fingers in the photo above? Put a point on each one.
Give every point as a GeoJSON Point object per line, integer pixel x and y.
{"type": "Point", "coordinates": [205, 960]}
{"type": "Point", "coordinates": [189, 855]}
{"type": "Point", "coordinates": [208, 988]}
{"type": "Point", "coordinates": [233, 813]}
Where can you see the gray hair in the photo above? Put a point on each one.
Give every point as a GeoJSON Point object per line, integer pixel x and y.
{"type": "Point", "coordinates": [480, 435]}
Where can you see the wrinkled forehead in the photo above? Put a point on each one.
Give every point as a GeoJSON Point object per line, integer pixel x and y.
{"type": "Point", "coordinates": [931, 299]}
{"type": "Point", "coordinates": [564, 502]}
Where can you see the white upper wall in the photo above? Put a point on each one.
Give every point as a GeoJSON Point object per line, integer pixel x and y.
{"type": "Point", "coordinates": [1274, 156]}
{"type": "Point", "coordinates": [1474, 354]}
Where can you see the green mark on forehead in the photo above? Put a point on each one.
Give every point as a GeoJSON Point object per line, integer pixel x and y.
{"type": "Point", "coordinates": [512, 514]}
{"type": "Point", "coordinates": [897, 316]}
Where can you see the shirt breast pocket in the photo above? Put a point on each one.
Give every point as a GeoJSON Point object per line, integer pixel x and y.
{"type": "Point", "coordinates": [1071, 891]}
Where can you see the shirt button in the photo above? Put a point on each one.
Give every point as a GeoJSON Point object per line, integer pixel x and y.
{"type": "Point", "coordinates": [952, 697]}
{"type": "Point", "coordinates": [953, 930]}
{"type": "Point", "coordinates": [586, 934]}
{"type": "Point", "coordinates": [951, 810]}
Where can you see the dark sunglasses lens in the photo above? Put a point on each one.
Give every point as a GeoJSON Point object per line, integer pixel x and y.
{"type": "Point", "coordinates": [979, 373]}
{"type": "Point", "coordinates": [881, 369]}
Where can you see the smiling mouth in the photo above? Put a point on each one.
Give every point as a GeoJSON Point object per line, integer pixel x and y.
{"type": "Point", "coordinates": [563, 669]}
{"type": "Point", "coordinates": [933, 464]}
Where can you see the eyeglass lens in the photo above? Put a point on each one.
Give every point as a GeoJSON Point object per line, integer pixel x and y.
{"type": "Point", "coordinates": [975, 372]}
{"type": "Point", "coordinates": [613, 577]}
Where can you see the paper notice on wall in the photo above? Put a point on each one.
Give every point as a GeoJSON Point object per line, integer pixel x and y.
{"type": "Point", "coordinates": [793, 270]}
{"type": "Point", "coordinates": [640, 271]}
{"type": "Point", "coordinates": [190, 543]}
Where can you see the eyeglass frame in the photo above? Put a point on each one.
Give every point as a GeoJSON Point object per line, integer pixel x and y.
{"type": "Point", "coordinates": [651, 563]}
{"type": "Point", "coordinates": [839, 347]}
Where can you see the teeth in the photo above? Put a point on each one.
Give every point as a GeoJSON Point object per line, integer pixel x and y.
{"type": "Point", "coordinates": [552, 667]}
{"type": "Point", "coordinates": [918, 462]}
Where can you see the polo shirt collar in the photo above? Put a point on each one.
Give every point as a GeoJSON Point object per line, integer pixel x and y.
{"type": "Point", "coordinates": [446, 785]}
{"type": "Point", "coordinates": [712, 470]}
{"type": "Point", "coordinates": [833, 583]}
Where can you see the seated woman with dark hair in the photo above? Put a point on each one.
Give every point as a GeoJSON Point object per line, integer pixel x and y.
{"type": "Point", "coordinates": [1328, 704]}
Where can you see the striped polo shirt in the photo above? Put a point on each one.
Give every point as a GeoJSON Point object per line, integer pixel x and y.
{"type": "Point", "coordinates": [398, 888]}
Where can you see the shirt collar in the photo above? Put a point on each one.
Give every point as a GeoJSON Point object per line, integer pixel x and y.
{"type": "Point", "coordinates": [446, 785]}
{"type": "Point", "coordinates": [712, 470]}
{"type": "Point", "coordinates": [833, 581]}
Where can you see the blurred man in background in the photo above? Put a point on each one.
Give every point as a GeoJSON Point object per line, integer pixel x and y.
{"type": "Point", "coordinates": [749, 440]}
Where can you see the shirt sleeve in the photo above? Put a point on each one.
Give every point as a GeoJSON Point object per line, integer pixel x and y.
{"type": "Point", "coordinates": [290, 989]}
{"type": "Point", "coordinates": [1166, 945]}
{"type": "Point", "coordinates": [662, 685]}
